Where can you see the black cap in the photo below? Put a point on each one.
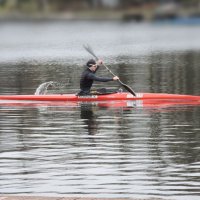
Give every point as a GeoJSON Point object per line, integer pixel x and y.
{"type": "Point", "coordinates": [91, 62]}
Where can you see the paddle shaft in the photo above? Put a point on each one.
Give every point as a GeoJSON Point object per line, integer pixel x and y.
{"type": "Point", "coordinates": [102, 64]}
{"type": "Point", "coordinates": [112, 73]}
{"type": "Point", "coordinates": [89, 50]}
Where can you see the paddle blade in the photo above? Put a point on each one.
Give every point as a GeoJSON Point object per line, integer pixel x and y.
{"type": "Point", "coordinates": [129, 89]}
{"type": "Point", "coordinates": [89, 50]}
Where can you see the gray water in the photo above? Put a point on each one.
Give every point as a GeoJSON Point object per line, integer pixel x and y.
{"type": "Point", "coordinates": [94, 149]}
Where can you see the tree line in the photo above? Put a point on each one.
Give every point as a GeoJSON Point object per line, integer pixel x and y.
{"type": "Point", "coordinates": [64, 5]}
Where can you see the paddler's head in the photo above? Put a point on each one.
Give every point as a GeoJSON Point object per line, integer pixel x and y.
{"type": "Point", "coordinates": [92, 65]}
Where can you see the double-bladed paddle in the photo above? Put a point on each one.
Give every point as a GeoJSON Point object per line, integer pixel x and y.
{"type": "Point", "coordinates": [89, 50]}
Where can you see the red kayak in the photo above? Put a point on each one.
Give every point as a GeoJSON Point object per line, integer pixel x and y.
{"type": "Point", "coordinates": [125, 100]}
{"type": "Point", "coordinates": [105, 97]}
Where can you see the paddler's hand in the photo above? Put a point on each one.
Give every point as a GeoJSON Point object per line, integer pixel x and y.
{"type": "Point", "coordinates": [115, 78]}
{"type": "Point", "coordinates": [99, 62]}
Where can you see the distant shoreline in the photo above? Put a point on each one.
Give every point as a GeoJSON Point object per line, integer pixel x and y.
{"type": "Point", "coordinates": [178, 21]}
{"type": "Point", "coordinates": [99, 16]}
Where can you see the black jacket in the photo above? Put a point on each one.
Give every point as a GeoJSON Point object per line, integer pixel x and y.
{"type": "Point", "coordinates": [87, 79]}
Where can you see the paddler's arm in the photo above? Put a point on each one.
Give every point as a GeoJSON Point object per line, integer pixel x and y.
{"type": "Point", "coordinates": [101, 79]}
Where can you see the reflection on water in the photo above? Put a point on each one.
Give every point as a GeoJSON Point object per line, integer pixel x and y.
{"type": "Point", "coordinates": [100, 150]}
{"type": "Point", "coordinates": [88, 116]}
{"type": "Point", "coordinates": [105, 152]}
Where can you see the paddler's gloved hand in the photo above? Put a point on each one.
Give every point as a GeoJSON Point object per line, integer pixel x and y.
{"type": "Point", "coordinates": [115, 78]}
{"type": "Point", "coordinates": [99, 62]}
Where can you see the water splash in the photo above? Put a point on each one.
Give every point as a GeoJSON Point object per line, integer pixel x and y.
{"type": "Point", "coordinates": [43, 88]}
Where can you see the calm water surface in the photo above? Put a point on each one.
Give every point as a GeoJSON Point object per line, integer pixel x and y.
{"type": "Point", "coordinates": [94, 149]}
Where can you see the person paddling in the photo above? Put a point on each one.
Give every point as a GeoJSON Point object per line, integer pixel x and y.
{"type": "Point", "coordinates": [88, 77]}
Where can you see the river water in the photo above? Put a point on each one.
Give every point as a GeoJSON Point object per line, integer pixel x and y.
{"type": "Point", "coordinates": [91, 149]}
